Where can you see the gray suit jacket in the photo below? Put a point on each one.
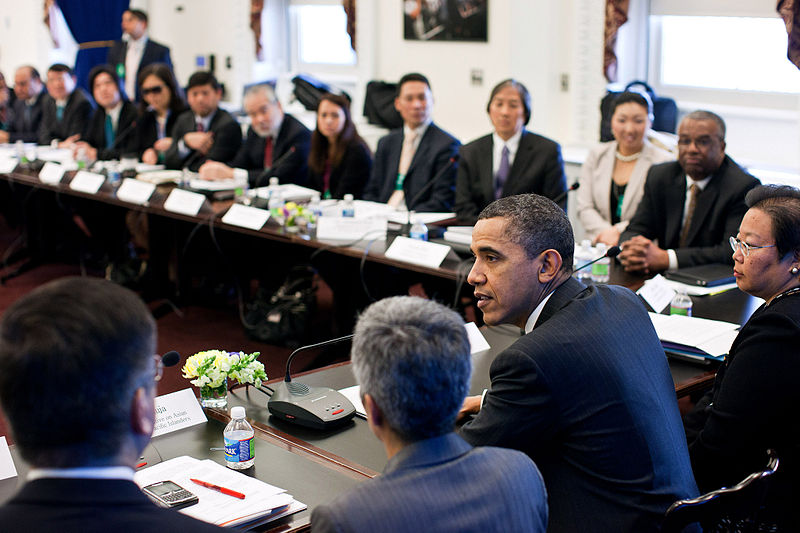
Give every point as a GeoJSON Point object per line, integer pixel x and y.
{"type": "Point", "coordinates": [537, 168]}
{"type": "Point", "coordinates": [588, 396]}
{"type": "Point", "coordinates": [443, 485]}
{"type": "Point", "coordinates": [719, 211]}
{"type": "Point", "coordinates": [594, 196]}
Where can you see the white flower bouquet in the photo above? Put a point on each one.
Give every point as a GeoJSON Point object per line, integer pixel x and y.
{"type": "Point", "coordinates": [209, 370]}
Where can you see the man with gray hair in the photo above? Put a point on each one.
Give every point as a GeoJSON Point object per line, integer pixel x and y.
{"type": "Point", "coordinates": [411, 358]}
{"type": "Point", "coordinates": [272, 135]}
{"type": "Point", "coordinates": [690, 206]}
{"type": "Point", "coordinates": [586, 392]}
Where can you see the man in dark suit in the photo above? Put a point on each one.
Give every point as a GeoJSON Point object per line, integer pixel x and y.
{"type": "Point", "coordinates": [411, 358]}
{"type": "Point", "coordinates": [509, 161]}
{"type": "Point", "coordinates": [691, 206]}
{"type": "Point", "coordinates": [408, 159]}
{"type": "Point", "coordinates": [204, 132]}
{"type": "Point", "coordinates": [82, 438]}
{"type": "Point", "coordinates": [586, 392]}
{"type": "Point", "coordinates": [135, 51]}
{"type": "Point", "coordinates": [272, 135]}
{"type": "Point", "coordinates": [26, 111]}
{"type": "Point", "coordinates": [66, 108]}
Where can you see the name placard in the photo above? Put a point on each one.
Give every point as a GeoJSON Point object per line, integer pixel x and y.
{"type": "Point", "coordinates": [7, 165]}
{"type": "Point", "coordinates": [177, 410]}
{"type": "Point", "coordinates": [350, 229]}
{"type": "Point", "coordinates": [135, 191]}
{"type": "Point", "coordinates": [657, 293]}
{"type": "Point", "coordinates": [51, 173]}
{"type": "Point", "coordinates": [88, 182]}
{"type": "Point", "coordinates": [477, 342]}
{"type": "Point", "coordinates": [7, 468]}
{"type": "Point", "coordinates": [424, 253]}
{"type": "Point", "coordinates": [184, 202]}
{"type": "Point", "coordinates": [246, 217]}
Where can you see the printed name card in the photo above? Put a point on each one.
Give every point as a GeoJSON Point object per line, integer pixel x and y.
{"type": "Point", "coordinates": [351, 228]}
{"type": "Point", "coordinates": [135, 191]}
{"type": "Point", "coordinates": [7, 165]}
{"type": "Point", "coordinates": [424, 253]}
{"type": "Point", "coordinates": [246, 217]}
{"type": "Point", "coordinates": [184, 202]}
{"type": "Point", "coordinates": [7, 468]}
{"type": "Point", "coordinates": [477, 342]}
{"type": "Point", "coordinates": [176, 411]}
{"type": "Point", "coordinates": [88, 182]}
{"type": "Point", "coordinates": [657, 293]}
{"type": "Point", "coordinates": [51, 173]}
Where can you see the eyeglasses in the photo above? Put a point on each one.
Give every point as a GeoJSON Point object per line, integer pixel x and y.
{"type": "Point", "coordinates": [152, 90]}
{"type": "Point", "coordinates": [701, 142]}
{"type": "Point", "coordinates": [737, 244]}
{"type": "Point", "coordinates": [159, 367]}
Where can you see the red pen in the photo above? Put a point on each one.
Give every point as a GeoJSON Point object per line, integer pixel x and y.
{"type": "Point", "coordinates": [217, 488]}
{"type": "Point", "coordinates": [141, 464]}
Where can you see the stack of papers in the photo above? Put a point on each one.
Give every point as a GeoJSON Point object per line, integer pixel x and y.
{"type": "Point", "coordinates": [262, 502]}
{"type": "Point", "coordinates": [695, 337]}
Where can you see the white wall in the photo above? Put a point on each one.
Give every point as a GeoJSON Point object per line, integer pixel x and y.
{"type": "Point", "coordinates": [24, 39]}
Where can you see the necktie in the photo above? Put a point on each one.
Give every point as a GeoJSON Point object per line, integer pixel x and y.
{"type": "Point", "coordinates": [694, 190]}
{"type": "Point", "coordinates": [59, 112]}
{"type": "Point", "coordinates": [109, 131]}
{"type": "Point", "coordinates": [268, 153]}
{"type": "Point", "coordinates": [200, 127]}
{"type": "Point", "coordinates": [502, 173]}
{"type": "Point", "coordinates": [406, 156]}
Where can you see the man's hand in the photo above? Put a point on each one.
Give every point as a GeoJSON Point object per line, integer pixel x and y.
{"type": "Point", "coordinates": [215, 171]}
{"type": "Point", "coordinates": [150, 157]}
{"type": "Point", "coordinates": [3, 137]}
{"type": "Point", "coordinates": [70, 141]}
{"type": "Point", "coordinates": [641, 255]}
{"type": "Point", "coordinates": [202, 141]}
{"type": "Point", "coordinates": [163, 144]}
{"type": "Point", "coordinates": [91, 152]}
{"type": "Point", "coordinates": [472, 405]}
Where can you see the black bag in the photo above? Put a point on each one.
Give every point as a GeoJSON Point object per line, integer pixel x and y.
{"type": "Point", "coordinates": [285, 316]}
{"type": "Point", "coordinates": [379, 105]}
{"type": "Point", "coordinates": [665, 111]}
{"type": "Point", "coordinates": [308, 90]}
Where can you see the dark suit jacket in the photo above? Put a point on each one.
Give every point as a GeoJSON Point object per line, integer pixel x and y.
{"type": "Point", "coordinates": [75, 120]}
{"type": "Point", "coordinates": [227, 140]}
{"type": "Point", "coordinates": [434, 152]}
{"type": "Point", "coordinates": [125, 135]}
{"type": "Point", "coordinates": [91, 505]}
{"type": "Point", "coordinates": [443, 485]}
{"type": "Point", "coordinates": [153, 53]}
{"type": "Point", "coordinates": [18, 129]}
{"type": "Point", "coordinates": [755, 400]}
{"type": "Point", "coordinates": [146, 133]}
{"type": "Point", "coordinates": [294, 169]}
{"type": "Point", "coordinates": [350, 177]}
{"type": "Point", "coordinates": [537, 168]}
{"type": "Point", "coordinates": [718, 213]}
{"type": "Point", "coordinates": [589, 397]}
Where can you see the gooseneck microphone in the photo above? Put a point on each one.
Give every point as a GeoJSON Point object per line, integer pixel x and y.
{"type": "Point", "coordinates": [425, 188]}
{"type": "Point", "coordinates": [123, 135]}
{"type": "Point", "coordinates": [560, 198]}
{"type": "Point", "coordinates": [275, 165]}
{"type": "Point", "coordinates": [314, 407]}
{"type": "Point", "coordinates": [611, 253]}
{"type": "Point", "coordinates": [171, 358]}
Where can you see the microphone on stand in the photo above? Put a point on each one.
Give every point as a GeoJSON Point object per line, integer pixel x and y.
{"type": "Point", "coordinates": [119, 138]}
{"type": "Point", "coordinates": [171, 358]}
{"type": "Point", "coordinates": [314, 407]}
{"type": "Point", "coordinates": [611, 253]}
{"type": "Point", "coordinates": [275, 164]}
{"type": "Point", "coordinates": [406, 229]}
{"type": "Point", "coordinates": [560, 198]}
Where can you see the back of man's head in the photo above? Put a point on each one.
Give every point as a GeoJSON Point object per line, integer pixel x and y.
{"type": "Point", "coordinates": [536, 223]}
{"type": "Point", "coordinates": [72, 353]}
{"type": "Point", "coordinates": [412, 356]}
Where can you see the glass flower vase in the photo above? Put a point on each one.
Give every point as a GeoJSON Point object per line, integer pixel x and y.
{"type": "Point", "coordinates": [214, 396]}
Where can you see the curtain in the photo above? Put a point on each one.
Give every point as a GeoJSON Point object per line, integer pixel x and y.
{"type": "Point", "coordinates": [256, 7]}
{"type": "Point", "coordinates": [95, 24]}
{"type": "Point", "coordinates": [616, 16]}
{"type": "Point", "coordinates": [789, 10]}
{"type": "Point", "coordinates": [350, 10]}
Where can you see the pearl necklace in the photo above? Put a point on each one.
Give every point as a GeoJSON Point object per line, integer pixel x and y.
{"type": "Point", "coordinates": [628, 158]}
{"type": "Point", "coordinates": [785, 293]}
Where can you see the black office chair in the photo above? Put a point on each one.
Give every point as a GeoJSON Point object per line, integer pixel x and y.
{"type": "Point", "coordinates": [726, 510]}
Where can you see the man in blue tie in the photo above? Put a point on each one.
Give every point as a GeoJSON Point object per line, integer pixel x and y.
{"type": "Point", "coordinates": [66, 108]}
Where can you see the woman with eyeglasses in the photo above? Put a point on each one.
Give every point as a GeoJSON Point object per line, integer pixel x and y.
{"type": "Point", "coordinates": [613, 175]}
{"type": "Point", "coordinates": [161, 104]}
{"type": "Point", "coordinates": [754, 403]}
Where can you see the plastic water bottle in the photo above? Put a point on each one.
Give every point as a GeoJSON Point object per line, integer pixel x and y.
{"type": "Point", "coordinates": [83, 159]}
{"type": "Point", "coordinates": [681, 304]}
{"type": "Point", "coordinates": [348, 206]}
{"type": "Point", "coordinates": [600, 268]}
{"type": "Point", "coordinates": [239, 438]}
{"type": "Point", "coordinates": [19, 148]}
{"type": "Point", "coordinates": [316, 211]}
{"type": "Point", "coordinates": [582, 257]}
{"type": "Point", "coordinates": [274, 196]}
{"type": "Point", "coordinates": [418, 230]}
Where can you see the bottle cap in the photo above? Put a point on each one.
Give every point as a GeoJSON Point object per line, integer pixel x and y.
{"type": "Point", "coordinates": [237, 413]}
{"type": "Point", "coordinates": [348, 197]}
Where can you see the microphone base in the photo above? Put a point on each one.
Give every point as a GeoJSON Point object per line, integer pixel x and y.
{"type": "Point", "coordinates": [319, 408]}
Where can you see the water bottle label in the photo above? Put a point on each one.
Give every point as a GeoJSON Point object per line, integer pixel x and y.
{"type": "Point", "coordinates": [420, 236]}
{"type": "Point", "coordinates": [600, 269]}
{"type": "Point", "coordinates": [238, 451]}
{"type": "Point", "coordinates": [685, 311]}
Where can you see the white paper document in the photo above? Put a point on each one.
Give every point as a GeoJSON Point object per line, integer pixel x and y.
{"type": "Point", "coordinates": [260, 498]}
{"type": "Point", "coordinates": [697, 290]}
{"type": "Point", "coordinates": [714, 337]}
{"type": "Point", "coordinates": [7, 468]}
{"type": "Point", "coordinates": [354, 395]}
{"type": "Point", "coordinates": [477, 342]}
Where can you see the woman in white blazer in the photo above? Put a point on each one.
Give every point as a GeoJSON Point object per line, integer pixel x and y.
{"type": "Point", "coordinates": [612, 177]}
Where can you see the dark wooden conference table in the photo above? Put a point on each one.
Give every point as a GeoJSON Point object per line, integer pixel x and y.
{"type": "Point", "coordinates": [315, 465]}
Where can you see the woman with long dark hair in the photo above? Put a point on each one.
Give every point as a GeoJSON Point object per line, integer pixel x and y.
{"type": "Point", "coordinates": [162, 102]}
